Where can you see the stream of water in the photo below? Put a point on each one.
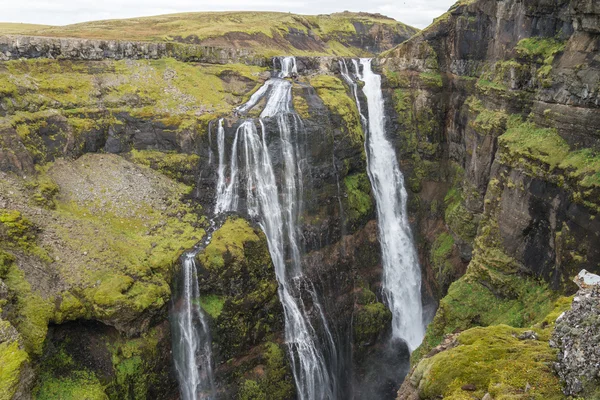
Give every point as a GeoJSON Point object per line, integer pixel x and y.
{"type": "Point", "coordinates": [401, 270]}
{"type": "Point", "coordinates": [276, 201]}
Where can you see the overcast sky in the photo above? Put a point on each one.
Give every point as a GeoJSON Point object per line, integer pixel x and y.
{"type": "Point", "coordinates": [418, 13]}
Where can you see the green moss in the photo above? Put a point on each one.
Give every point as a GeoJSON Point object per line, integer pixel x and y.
{"type": "Point", "coordinates": [583, 166]}
{"type": "Point", "coordinates": [6, 262]}
{"type": "Point", "coordinates": [462, 222]}
{"type": "Point", "coordinates": [333, 93]}
{"type": "Point", "coordinates": [228, 242]}
{"type": "Point", "coordinates": [358, 190]}
{"type": "Point", "coordinates": [212, 305]}
{"type": "Point", "coordinates": [181, 96]}
{"type": "Point", "coordinates": [540, 49]}
{"type": "Point", "coordinates": [300, 103]}
{"type": "Point", "coordinates": [276, 383]}
{"type": "Point", "coordinates": [486, 86]}
{"type": "Point", "coordinates": [487, 121]}
{"type": "Point", "coordinates": [45, 190]}
{"type": "Point", "coordinates": [251, 390]}
{"type": "Point", "coordinates": [526, 139]}
{"type": "Point", "coordinates": [441, 251]}
{"type": "Point", "coordinates": [495, 361]}
{"type": "Point", "coordinates": [485, 297]}
{"type": "Point", "coordinates": [178, 166]}
{"type": "Point", "coordinates": [431, 79]}
{"type": "Point", "coordinates": [133, 362]}
{"type": "Point", "coordinates": [369, 322]}
{"type": "Point", "coordinates": [12, 361]}
{"type": "Point", "coordinates": [69, 309]}
{"type": "Point", "coordinates": [78, 385]}
{"type": "Point", "coordinates": [32, 311]}
{"type": "Point", "coordinates": [16, 229]}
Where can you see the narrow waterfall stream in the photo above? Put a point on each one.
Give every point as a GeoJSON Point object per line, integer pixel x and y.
{"type": "Point", "coordinates": [192, 348]}
{"type": "Point", "coordinates": [401, 270]}
{"type": "Point", "coordinates": [276, 204]}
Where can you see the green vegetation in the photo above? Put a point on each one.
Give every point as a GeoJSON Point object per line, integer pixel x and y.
{"type": "Point", "coordinates": [526, 139]}
{"type": "Point", "coordinates": [246, 310]}
{"type": "Point", "coordinates": [78, 385]}
{"type": "Point", "coordinates": [544, 152]}
{"type": "Point", "coordinates": [440, 254]}
{"type": "Point", "coordinates": [276, 383]}
{"type": "Point", "coordinates": [540, 49]}
{"type": "Point", "coordinates": [212, 305]}
{"type": "Point", "coordinates": [12, 361]}
{"type": "Point", "coordinates": [31, 314]}
{"type": "Point", "coordinates": [178, 166]}
{"type": "Point", "coordinates": [228, 242]}
{"type": "Point", "coordinates": [333, 93]}
{"type": "Point", "coordinates": [16, 229]}
{"type": "Point", "coordinates": [133, 362]}
{"type": "Point", "coordinates": [487, 121]}
{"type": "Point", "coordinates": [62, 97]}
{"type": "Point", "coordinates": [360, 203]}
{"type": "Point", "coordinates": [431, 79]}
{"type": "Point", "coordinates": [370, 321]}
{"type": "Point", "coordinates": [494, 361]}
{"type": "Point", "coordinates": [460, 220]}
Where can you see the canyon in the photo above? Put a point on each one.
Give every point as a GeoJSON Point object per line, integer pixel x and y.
{"type": "Point", "coordinates": [290, 194]}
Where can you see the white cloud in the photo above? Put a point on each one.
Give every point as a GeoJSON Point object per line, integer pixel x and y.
{"type": "Point", "coordinates": [61, 12]}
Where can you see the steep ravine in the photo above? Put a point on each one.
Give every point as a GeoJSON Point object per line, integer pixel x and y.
{"type": "Point", "coordinates": [108, 171]}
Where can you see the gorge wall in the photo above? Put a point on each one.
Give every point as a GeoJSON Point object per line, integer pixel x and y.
{"type": "Point", "coordinates": [497, 115]}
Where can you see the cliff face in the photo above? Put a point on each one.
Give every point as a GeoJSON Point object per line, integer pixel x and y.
{"type": "Point", "coordinates": [497, 120]}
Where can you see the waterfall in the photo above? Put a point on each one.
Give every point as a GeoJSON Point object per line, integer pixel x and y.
{"type": "Point", "coordinates": [191, 336]}
{"type": "Point", "coordinates": [401, 271]}
{"type": "Point", "coordinates": [276, 204]}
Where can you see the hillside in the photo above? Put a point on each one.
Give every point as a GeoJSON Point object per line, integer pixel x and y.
{"type": "Point", "coordinates": [267, 33]}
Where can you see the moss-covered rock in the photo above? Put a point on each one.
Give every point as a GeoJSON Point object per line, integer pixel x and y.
{"type": "Point", "coordinates": [370, 322]}
{"type": "Point", "coordinates": [13, 360]}
{"type": "Point", "coordinates": [238, 288]}
{"type": "Point", "coordinates": [334, 94]}
{"type": "Point", "coordinates": [359, 201]}
{"type": "Point", "coordinates": [272, 378]}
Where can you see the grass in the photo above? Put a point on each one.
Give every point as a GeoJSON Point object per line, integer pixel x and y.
{"type": "Point", "coordinates": [431, 79]}
{"type": "Point", "coordinates": [17, 28]}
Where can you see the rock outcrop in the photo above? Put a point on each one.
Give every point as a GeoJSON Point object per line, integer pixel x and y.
{"type": "Point", "coordinates": [576, 335]}
{"type": "Point", "coordinates": [14, 47]}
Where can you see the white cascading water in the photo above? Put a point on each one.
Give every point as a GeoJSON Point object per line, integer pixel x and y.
{"type": "Point", "coordinates": [401, 270]}
{"type": "Point", "coordinates": [277, 210]}
{"type": "Point", "coordinates": [192, 351]}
